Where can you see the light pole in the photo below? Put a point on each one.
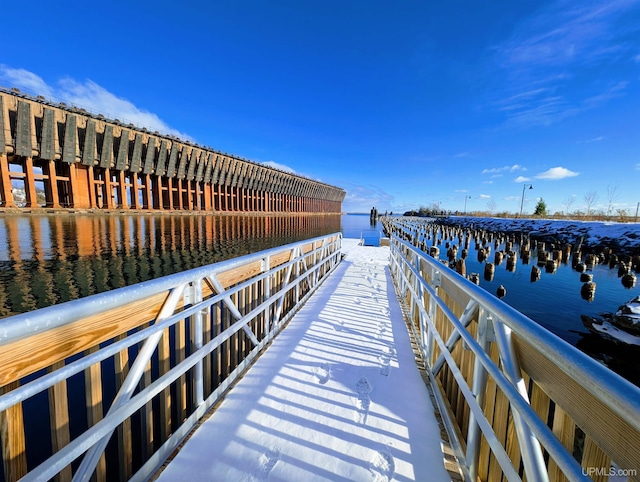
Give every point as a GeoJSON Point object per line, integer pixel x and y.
{"type": "Point", "coordinates": [522, 202]}
{"type": "Point", "coordinates": [465, 203]}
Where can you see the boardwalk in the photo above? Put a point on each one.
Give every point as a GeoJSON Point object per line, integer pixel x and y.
{"type": "Point", "coordinates": [336, 397]}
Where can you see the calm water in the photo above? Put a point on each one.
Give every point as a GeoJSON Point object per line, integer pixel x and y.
{"type": "Point", "coordinates": [46, 260]}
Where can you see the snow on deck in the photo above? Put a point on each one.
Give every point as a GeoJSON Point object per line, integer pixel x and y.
{"type": "Point", "coordinates": [337, 396]}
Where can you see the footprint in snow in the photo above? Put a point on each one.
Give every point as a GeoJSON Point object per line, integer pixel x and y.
{"type": "Point", "coordinates": [363, 389]}
{"type": "Point", "coordinates": [323, 373]}
{"type": "Point", "coordinates": [268, 460]}
{"type": "Point", "coordinates": [381, 330]}
{"type": "Point", "coordinates": [382, 466]}
{"type": "Point", "coordinates": [385, 359]}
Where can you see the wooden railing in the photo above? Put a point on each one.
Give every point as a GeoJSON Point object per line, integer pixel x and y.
{"type": "Point", "coordinates": [521, 403]}
{"type": "Point", "coordinates": [144, 362]}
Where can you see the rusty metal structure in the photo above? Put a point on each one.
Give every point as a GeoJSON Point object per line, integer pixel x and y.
{"type": "Point", "coordinates": [59, 156]}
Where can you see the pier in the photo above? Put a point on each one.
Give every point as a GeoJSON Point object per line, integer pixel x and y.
{"type": "Point", "coordinates": [302, 352]}
{"type": "Point", "coordinates": [63, 156]}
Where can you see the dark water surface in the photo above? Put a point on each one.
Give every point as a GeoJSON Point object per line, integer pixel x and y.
{"type": "Point", "coordinates": [45, 260]}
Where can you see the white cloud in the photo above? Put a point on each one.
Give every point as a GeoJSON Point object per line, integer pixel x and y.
{"type": "Point", "coordinates": [461, 190]}
{"type": "Point", "coordinates": [484, 196]}
{"type": "Point", "coordinates": [589, 141]}
{"type": "Point", "coordinates": [522, 179]}
{"type": "Point", "coordinates": [487, 182]}
{"type": "Point", "coordinates": [515, 167]}
{"type": "Point", "coordinates": [87, 95]}
{"type": "Point", "coordinates": [638, 166]}
{"type": "Point", "coordinates": [556, 173]}
{"type": "Point", "coordinates": [25, 80]}
{"type": "Point", "coordinates": [282, 167]}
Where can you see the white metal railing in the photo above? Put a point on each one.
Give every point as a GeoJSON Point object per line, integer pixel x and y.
{"type": "Point", "coordinates": [504, 377]}
{"type": "Point", "coordinates": [221, 315]}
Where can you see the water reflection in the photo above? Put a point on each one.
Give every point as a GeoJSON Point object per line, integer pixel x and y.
{"type": "Point", "coordinates": [45, 260]}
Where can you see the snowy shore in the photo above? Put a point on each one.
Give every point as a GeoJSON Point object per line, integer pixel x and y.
{"type": "Point", "coordinates": [622, 237]}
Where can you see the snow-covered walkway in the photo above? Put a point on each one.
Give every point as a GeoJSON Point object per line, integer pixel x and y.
{"type": "Point", "coordinates": [336, 397]}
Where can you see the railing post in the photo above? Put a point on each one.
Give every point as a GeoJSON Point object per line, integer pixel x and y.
{"type": "Point", "coordinates": [435, 284]}
{"type": "Point", "coordinates": [198, 336]}
{"type": "Point", "coordinates": [479, 384]}
{"type": "Point", "coordinates": [532, 458]}
{"type": "Point", "coordinates": [296, 272]}
{"type": "Point", "coordinates": [267, 293]}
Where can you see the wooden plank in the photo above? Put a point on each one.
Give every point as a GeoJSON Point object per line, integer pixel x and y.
{"type": "Point", "coordinates": [181, 388]}
{"type": "Point", "coordinates": [206, 363]}
{"type": "Point", "coordinates": [93, 399]}
{"type": "Point", "coordinates": [593, 458]}
{"type": "Point", "coordinates": [235, 338]}
{"type": "Point", "coordinates": [500, 421]}
{"type": "Point", "coordinates": [12, 437]}
{"type": "Point", "coordinates": [59, 415]}
{"type": "Point", "coordinates": [565, 429]}
{"type": "Point", "coordinates": [146, 416]}
{"type": "Point", "coordinates": [513, 444]}
{"type": "Point", "coordinates": [125, 444]}
{"type": "Point", "coordinates": [53, 346]}
{"type": "Point", "coordinates": [541, 403]}
{"type": "Point", "coordinates": [609, 431]}
{"type": "Point", "coordinates": [164, 365]}
{"type": "Point", "coordinates": [489, 411]}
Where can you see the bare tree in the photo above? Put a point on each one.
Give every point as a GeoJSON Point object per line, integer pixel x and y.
{"type": "Point", "coordinates": [569, 202]}
{"type": "Point", "coordinates": [590, 199]}
{"type": "Point", "coordinates": [613, 194]}
{"type": "Point", "coordinates": [491, 205]}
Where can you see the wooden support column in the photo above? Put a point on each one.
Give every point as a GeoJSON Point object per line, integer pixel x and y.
{"type": "Point", "coordinates": [30, 184]}
{"type": "Point", "coordinates": [135, 191]}
{"type": "Point", "coordinates": [147, 192]}
{"type": "Point", "coordinates": [197, 204]}
{"type": "Point", "coordinates": [156, 194]}
{"type": "Point", "coordinates": [73, 186]}
{"type": "Point", "coordinates": [224, 201]}
{"type": "Point", "coordinates": [189, 189]}
{"type": "Point", "coordinates": [91, 192]}
{"type": "Point", "coordinates": [79, 185]}
{"type": "Point", "coordinates": [122, 190]}
{"type": "Point", "coordinates": [108, 189]}
{"type": "Point", "coordinates": [13, 439]}
{"type": "Point", "coordinates": [179, 197]}
{"type": "Point", "coordinates": [207, 196]}
{"type": "Point", "coordinates": [5, 183]}
{"type": "Point", "coordinates": [52, 186]}
{"type": "Point", "coordinates": [170, 192]}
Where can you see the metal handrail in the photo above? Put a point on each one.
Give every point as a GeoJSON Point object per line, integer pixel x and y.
{"type": "Point", "coordinates": [408, 265]}
{"type": "Point", "coordinates": [308, 263]}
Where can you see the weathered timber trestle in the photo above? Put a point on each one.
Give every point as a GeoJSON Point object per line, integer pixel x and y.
{"type": "Point", "coordinates": [66, 157]}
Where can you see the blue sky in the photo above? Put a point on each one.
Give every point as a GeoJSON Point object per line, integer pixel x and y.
{"type": "Point", "coordinates": [402, 104]}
